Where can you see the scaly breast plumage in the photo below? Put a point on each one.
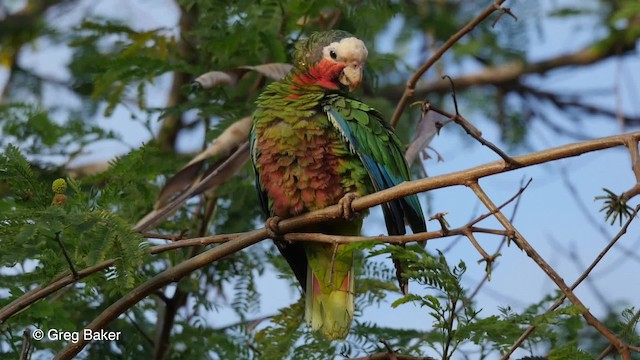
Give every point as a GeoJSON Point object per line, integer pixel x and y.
{"type": "Point", "coordinates": [302, 171]}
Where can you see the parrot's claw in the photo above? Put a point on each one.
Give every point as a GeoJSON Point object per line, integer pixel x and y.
{"type": "Point", "coordinates": [272, 227]}
{"type": "Point", "coordinates": [345, 205]}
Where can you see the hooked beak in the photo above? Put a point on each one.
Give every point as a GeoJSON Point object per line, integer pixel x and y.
{"type": "Point", "coordinates": [351, 76]}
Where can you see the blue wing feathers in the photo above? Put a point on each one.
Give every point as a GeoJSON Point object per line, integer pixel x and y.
{"type": "Point", "coordinates": [381, 176]}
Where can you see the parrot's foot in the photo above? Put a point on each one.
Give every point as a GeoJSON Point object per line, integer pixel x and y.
{"type": "Point", "coordinates": [345, 205]}
{"type": "Point", "coordinates": [272, 227]}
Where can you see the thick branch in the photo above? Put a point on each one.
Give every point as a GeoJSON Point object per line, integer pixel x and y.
{"type": "Point", "coordinates": [164, 278]}
{"type": "Point", "coordinates": [365, 202]}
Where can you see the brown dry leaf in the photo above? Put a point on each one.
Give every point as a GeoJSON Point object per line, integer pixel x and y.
{"type": "Point", "coordinates": [274, 71]}
{"type": "Point", "coordinates": [220, 149]}
{"type": "Point", "coordinates": [227, 154]}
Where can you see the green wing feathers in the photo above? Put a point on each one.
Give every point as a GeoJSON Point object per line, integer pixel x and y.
{"type": "Point", "coordinates": [380, 151]}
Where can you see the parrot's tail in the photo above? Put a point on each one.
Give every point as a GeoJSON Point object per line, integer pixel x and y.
{"type": "Point", "coordinates": [330, 310]}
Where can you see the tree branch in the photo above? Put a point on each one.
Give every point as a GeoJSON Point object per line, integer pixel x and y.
{"type": "Point", "coordinates": [392, 356]}
{"type": "Point", "coordinates": [365, 202]}
{"type": "Point", "coordinates": [523, 244]}
{"type": "Point", "coordinates": [334, 211]}
{"type": "Point", "coordinates": [172, 124]}
{"type": "Point", "coordinates": [164, 278]}
{"type": "Point", "coordinates": [470, 129]}
{"type": "Point", "coordinates": [584, 275]}
{"type": "Point", "coordinates": [512, 72]}
{"type": "Point", "coordinates": [411, 84]}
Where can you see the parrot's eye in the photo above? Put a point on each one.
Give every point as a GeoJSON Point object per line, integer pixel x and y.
{"type": "Point", "coordinates": [333, 54]}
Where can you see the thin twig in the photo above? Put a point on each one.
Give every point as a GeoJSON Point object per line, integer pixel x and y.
{"type": "Point", "coordinates": [144, 334]}
{"type": "Point", "coordinates": [411, 84]}
{"type": "Point", "coordinates": [172, 237]}
{"type": "Point", "coordinates": [26, 344]}
{"type": "Point", "coordinates": [503, 10]}
{"type": "Point", "coordinates": [66, 255]}
{"type": "Point", "coordinates": [472, 131]}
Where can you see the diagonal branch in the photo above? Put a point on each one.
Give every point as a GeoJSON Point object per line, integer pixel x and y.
{"type": "Point", "coordinates": [584, 275]}
{"type": "Point", "coordinates": [471, 130]}
{"type": "Point", "coordinates": [164, 278]}
{"type": "Point", "coordinates": [523, 244]}
{"type": "Point", "coordinates": [632, 145]}
{"type": "Point", "coordinates": [411, 84]}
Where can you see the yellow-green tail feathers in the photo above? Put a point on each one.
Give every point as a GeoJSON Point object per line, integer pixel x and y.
{"type": "Point", "coordinates": [329, 309]}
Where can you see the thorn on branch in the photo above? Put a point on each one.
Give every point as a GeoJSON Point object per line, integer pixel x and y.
{"type": "Point", "coordinates": [489, 260]}
{"type": "Point", "coordinates": [453, 94]}
{"type": "Point", "coordinates": [390, 351]}
{"type": "Point", "coordinates": [444, 224]}
{"type": "Point", "coordinates": [503, 10]}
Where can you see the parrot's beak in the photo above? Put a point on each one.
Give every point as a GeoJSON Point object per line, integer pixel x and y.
{"type": "Point", "coordinates": [351, 75]}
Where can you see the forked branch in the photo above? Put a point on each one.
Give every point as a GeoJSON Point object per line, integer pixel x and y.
{"type": "Point", "coordinates": [411, 84]}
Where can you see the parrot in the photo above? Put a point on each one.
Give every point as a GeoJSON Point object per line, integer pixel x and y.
{"type": "Point", "coordinates": [314, 145]}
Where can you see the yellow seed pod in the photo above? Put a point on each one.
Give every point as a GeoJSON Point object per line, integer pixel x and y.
{"type": "Point", "coordinates": [59, 186]}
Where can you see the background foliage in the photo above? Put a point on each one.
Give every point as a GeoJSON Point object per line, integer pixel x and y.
{"type": "Point", "coordinates": [115, 67]}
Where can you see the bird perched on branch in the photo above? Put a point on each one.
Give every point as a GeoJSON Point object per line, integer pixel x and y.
{"type": "Point", "coordinates": [313, 145]}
